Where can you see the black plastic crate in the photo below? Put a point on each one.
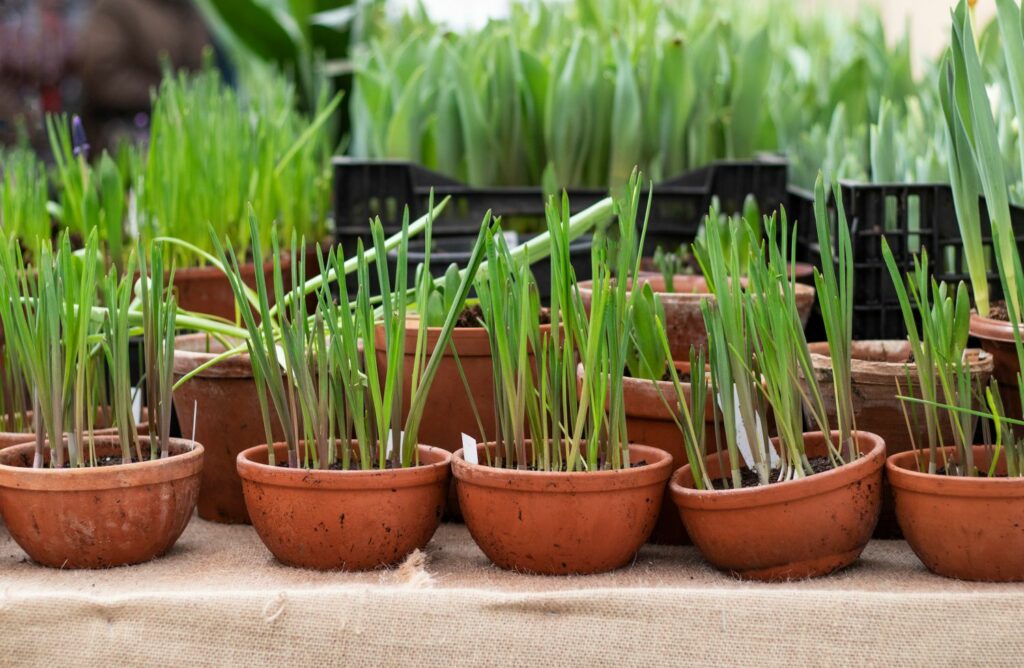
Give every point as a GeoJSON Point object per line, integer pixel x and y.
{"type": "Point", "coordinates": [367, 188]}
{"type": "Point", "coordinates": [912, 217]}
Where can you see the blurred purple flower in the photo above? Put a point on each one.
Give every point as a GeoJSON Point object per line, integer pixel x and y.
{"type": "Point", "coordinates": [78, 138]}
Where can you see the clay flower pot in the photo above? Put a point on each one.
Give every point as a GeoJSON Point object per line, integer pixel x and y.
{"type": "Point", "coordinates": [965, 528]}
{"type": "Point", "coordinates": [207, 290]}
{"type": "Point", "coordinates": [223, 404]}
{"type": "Point", "coordinates": [877, 367]}
{"type": "Point", "coordinates": [649, 422]}
{"type": "Point", "coordinates": [448, 412]}
{"type": "Point", "coordinates": [561, 523]}
{"type": "Point", "coordinates": [996, 338]}
{"type": "Point", "coordinates": [797, 529]}
{"type": "Point", "coordinates": [99, 517]}
{"type": "Point", "coordinates": [344, 520]}
{"type": "Point", "coordinates": [684, 322]}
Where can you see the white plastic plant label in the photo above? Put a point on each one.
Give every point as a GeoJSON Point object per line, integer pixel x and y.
{"type": "Point", "coordinates": [391, 442]}
{"type": "Point", "coordinates": [742, 443]}
{"type": "Point", "coordinates": [469, 449]}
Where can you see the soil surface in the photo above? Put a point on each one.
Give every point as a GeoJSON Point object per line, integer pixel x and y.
{"type": "Point", "coordinates": [750, 479]}
{"type": "Point", "coordinates": [997, 311]}
{"type": "Point", "coordinates": [684, 377]}
{"type": "Point", "coordinates": [109, 460]}
{"type": "Point", "coordinates": [471, 316]}
{"type": "Point", "coordinates": [353, 465]}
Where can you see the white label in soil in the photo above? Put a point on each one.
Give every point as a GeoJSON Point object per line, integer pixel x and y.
{"type": "Point", "coordinates": [469, 449]}
{"type": "Point", "coordinates": [742, 442]}
{"type": "Point", "coordinates": [391, 442]}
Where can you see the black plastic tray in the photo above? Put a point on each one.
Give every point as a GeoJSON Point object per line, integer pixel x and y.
{"type": "Point", "coordinates": [912, 217]}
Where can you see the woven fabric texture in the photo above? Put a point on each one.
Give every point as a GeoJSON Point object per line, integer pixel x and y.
{"type": "Point", "coordinates": [219, 598]}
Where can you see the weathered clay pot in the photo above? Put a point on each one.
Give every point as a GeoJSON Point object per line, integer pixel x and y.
{"type": "Point", "coordinates": [684, 322]}
{"type": "Point", "coordinates": [207, 290]}
{"type": "Point", "coordinates": [344, 520]}
{"type": "Point", "coordinates": [561, 523]}
{"type": "Point", "coordinates": [797, 529]}
{"type": "Point", "coordinates": [877, 367]}
{"type": "Point", "coordinates": [996, 338]}
{"type": "Point", "coordinates": [99, 517]}
{"type": "Point", "coordinates": [9, 438]}
{"type": "Point", "coordinates": [801, 271]}
{"type": "Point", "coordinates": [649, 422]}
{"type": "Point", "coordinates": [448, 412]}
{"type": "Point", "coordinates": [960, 527]}
{"type": "Point", "coordinates": [223, 404]}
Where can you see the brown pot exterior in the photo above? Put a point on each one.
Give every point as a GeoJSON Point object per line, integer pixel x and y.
{"type": "Point", "coordinates": [448, 412]}
{"type": "Point", "coordinates": [561, 523]}
{"type": "Point", "coordinates": [99, 517]}
{"type": "Point", "coordinates": [996, 338]}
{"type": "Point", "coordinates": [798, 529]}
{"type": "Point", "coordinates": [207, 290]}
{"type": "Point", "coordinates": [649, 422]}
{"type": "Point", "coordinates": [877, 367]}
{"type": "Point", "coordinates": [223, 404]}
{"type": "Point", "coordinates": [344, 520]}
{"type": "Point", "coordinates": [965, 528]}
{"type": "Point", "coordinates": [684, 322]}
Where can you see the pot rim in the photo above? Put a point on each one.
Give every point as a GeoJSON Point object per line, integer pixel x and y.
{"type": "Point", "coordinates": [180, 465]}
{"type": "Point", "coordinates": [790, 490]}
{"type": "Point", "coordinates": [252, 470]}
{"type": "Point", "coordinates": [903, 475]}
{"type": "Point", "coordinates": [992, 329]}
{"type": "Point", "coordinates": [468, 341]}
{"type": "Point", "coordinates": [866, 370]}
{"type": "Point", "coordinates": [189, 355]}
{"type": "Point", "coordinates": [802, 291]}
{"type": "Point", "coordinates": [553, 482]}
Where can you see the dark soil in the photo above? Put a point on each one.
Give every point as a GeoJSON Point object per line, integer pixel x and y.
{"type": "Point", "coordinates": [353, 465]}
{"type": "Point", "coordinates": [981, 474]}
{"type": "Point", "coordinates": [471, 316]}
{"type": "Point", "coordinates": [749, 477]}
{"type": "Point", "coordinates": [997, 311]}
{"type": "Point", "coordinates": [632, 465]}
{"type": "Point", "coordinates": [109, 460]}
{"type": "Point", "coordinates": [684, 377]}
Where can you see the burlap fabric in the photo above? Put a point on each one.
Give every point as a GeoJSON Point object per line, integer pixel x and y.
{"type": "Point", "coordinates": [219, 598]}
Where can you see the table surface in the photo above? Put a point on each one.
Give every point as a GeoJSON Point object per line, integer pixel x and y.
{"type": "Point", "coordinates": [220, 598]}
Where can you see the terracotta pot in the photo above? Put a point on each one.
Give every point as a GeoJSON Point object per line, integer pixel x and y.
{"type": "Point", "coordinates": [965, 528]}
{"type": "Point", "coordinates": [649, 422]}
{"type": "Point", "coordinates": [347, 520]}
{"type": "Point", "coordinates": [561, 523]}
{"type": "Point", "coordinates": [9, 438]}
{"type": "Point", "coordinates": [448, 412]}
{"type": "Point", "coordinates": [684, 322]}
{"type": "Point", "coordinates": [207, 290]}
{"type": "Point", "coordinates": [877, 367]}
{"type": "Point", "coordinates": [99, 517]}
{"type": "Point", "coordinates": [996, 338]}
{"type": "Point", "coordinates": [223, 404]}
{"type": "Point", "coordinates": [801, 271]}
{"type": "Point", "coordinates": [797, 529]}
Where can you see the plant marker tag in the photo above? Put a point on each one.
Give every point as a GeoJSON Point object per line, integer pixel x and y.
{"type": "Point", "coordinates": [741, 435]}
{"type": "Point", "coordinates": [469, 449]}
{"type": "Point", "coordinates": [137, 406]}
{"type": "Point", "coordinates": [195, 413]}
{"type": "Point", "coordinates": [391, 442]}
